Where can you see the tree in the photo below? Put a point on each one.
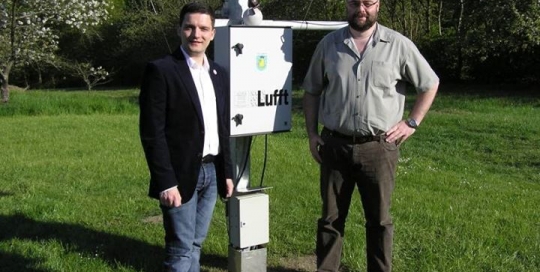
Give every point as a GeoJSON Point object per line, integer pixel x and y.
{"type": "Point", "coordinates": [27, 30]}
{"type": "Point", "coordinates": [481, 40]}
{"type": "Point", "coordinates": [137, 32]}
{"type": "Point", "coordinates": [316, 10]}
{"type": "Point", "coordinates": [498, 48]}
{"type": "Point", "coordinates": [92, 76]}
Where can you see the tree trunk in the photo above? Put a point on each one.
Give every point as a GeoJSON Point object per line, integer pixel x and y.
{"type": "Point", "coordinates": [5, 92]}
{"type": "Point", "coordinates": [40, 77]}
{"type": "Point", "coordinates": [461, 34]}
{"type": "Point", "coordinates": [439, 17]}
{"type": "Point", "coordinates": [404, 12]}
{"type": "Point", "coordinates": [428, 17]}
{"type": "Point", "coordinates": [4, 79]}
{"type": "Point", "coordinates": [11, 59]}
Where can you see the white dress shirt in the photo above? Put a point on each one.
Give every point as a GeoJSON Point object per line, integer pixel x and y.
{"type": "Point", "coordinates": [207, 97]}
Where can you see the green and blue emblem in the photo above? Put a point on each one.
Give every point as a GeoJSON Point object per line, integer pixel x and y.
{"type": "Point", "coordinates": [262, 61]}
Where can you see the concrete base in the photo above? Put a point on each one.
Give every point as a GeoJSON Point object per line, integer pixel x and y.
{"type": "Point", "coordinates": [253, 260]}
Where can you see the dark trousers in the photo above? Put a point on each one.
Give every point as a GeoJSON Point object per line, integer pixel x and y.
{"type": "Point", "coordinates": [370, 166]}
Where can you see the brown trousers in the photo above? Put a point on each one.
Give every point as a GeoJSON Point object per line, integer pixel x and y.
{"type": "Point", "coordinates": [371, 166]}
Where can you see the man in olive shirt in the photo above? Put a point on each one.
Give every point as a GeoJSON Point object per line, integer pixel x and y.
{"type": "Point", "coordinates": [355, 87]}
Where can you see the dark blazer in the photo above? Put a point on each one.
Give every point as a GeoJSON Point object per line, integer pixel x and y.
{"type": "Point", "coordinates": [172, 129]}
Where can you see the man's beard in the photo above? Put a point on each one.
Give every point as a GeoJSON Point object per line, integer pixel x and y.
{"type": "Point", "coordinates": [361, 27]}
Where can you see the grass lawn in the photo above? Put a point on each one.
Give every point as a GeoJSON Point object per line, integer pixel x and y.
{"type": "Point", "coordinates": [73, 184]}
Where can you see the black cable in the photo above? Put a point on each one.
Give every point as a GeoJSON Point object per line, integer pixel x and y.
{"type": "Point", "coordinates": [265, 156]}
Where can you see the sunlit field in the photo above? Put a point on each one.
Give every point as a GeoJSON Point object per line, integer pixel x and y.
{"type": "Point", "coordinates": [73, 184]}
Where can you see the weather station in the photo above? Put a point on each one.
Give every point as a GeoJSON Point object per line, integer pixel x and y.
{"type": "Point", "coordinates": [257, 54]}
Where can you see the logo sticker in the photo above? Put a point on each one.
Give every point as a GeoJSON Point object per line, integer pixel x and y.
{"type": "Point", "coordinates": [261, 62]}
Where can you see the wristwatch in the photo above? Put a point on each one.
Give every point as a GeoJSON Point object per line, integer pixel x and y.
{"type": "Point", "coordinates": [411, 123]}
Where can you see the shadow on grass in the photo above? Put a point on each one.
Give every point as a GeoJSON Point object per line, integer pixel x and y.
{"type": "Point", "coordinates": [114, 249]}
{"type": "Point", "coordinates": [12, 262]}
{"type": "Point", "coordinates": [117, 251]}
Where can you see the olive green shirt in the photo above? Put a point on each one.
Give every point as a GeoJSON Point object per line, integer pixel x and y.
{"type": "Point", "coordinates": [365, 94]}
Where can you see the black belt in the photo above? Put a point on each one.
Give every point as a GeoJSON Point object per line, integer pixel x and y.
{"type": "Point", "coordinates": [355, 139]}
{"type": "Point", "coordinates": [208, 159]}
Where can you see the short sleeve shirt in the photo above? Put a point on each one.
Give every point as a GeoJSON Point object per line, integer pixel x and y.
{"type": "Point", "coordinates": [365, 94]}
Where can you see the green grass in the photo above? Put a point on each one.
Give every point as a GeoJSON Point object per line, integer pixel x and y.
{"type": "Point", "coordinates": [73, 185]}
{"type": "Point", "coordinates": [34, 103]}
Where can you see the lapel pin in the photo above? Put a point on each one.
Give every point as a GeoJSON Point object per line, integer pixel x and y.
{"type": "Point", "coordinates": [215, 73]}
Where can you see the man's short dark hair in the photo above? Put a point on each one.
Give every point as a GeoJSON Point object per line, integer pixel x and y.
{"type": "Point", "coordinates": [197, 7]}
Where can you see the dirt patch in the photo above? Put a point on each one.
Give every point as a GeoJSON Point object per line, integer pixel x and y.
{"type": "Point", "coordinates": [298, 264]}
{"type": "Point", "coordinates": [153, 219]}
{"type": "Point", "coordinates": [17, 88]}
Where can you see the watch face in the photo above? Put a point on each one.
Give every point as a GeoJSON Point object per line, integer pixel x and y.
{"type": "Point", "coordinates": [412, 123]}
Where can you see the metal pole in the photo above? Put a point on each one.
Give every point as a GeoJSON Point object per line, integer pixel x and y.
{"type": "Point", "coordinates": [295, 25]}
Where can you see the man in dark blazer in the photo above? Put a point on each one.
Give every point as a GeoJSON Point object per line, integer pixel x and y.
{"type": "Point", "coordinates": [184, 129]}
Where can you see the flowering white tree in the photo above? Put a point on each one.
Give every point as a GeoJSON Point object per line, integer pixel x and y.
{"type": "Point", "coordinates": [92, 76]}
{"type": "Point", "coordinates": [27, 30]}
